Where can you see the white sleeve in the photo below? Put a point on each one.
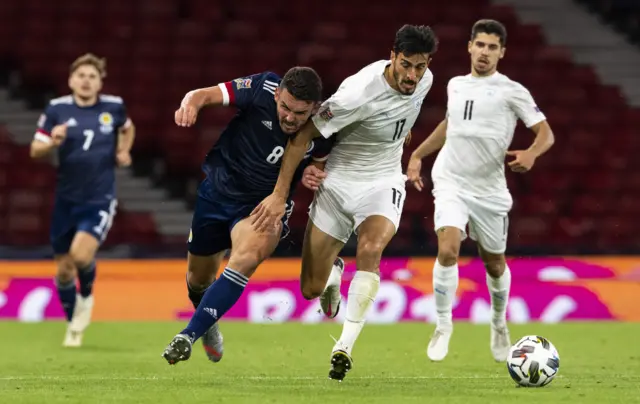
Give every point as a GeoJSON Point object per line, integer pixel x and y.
{"type": "Point", "coordinates": [338, 112]}
{"type": "Point", "coordinates": [523, 105]}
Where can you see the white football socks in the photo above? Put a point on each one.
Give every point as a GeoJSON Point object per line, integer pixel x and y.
{"type": "Point", "coordinates": [499, 291]}
{"type": "Point", "coordinates": [445, 284]}
{"type": "Point", "coordinates": [362, 293]}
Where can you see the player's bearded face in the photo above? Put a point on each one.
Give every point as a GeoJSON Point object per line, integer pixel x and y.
{"type": "Point", "coordinates": [486, 51]}
{"type": "Point", "coordinates": [292, 112]}
{"type": "Point", "coordinates": [408, 70]}
{"type": "Point", "coordinates": [85, 81]}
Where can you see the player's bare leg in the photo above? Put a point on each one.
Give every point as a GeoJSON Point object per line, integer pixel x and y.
{"type": "Point", "coordinates": [81, 255]}
{"type": "Point", "coordinates": [373, 236]}
{"type": "Point", "coordinates": [322, 269]}
{"type": "Point", "coordinates": [445, 284]}
{"type": "Point", "coordinates": [499, 284]}
{"type": "Point", "coordinates": [202, 272]}
{"type": "Point", "coordinates": [248, 249]}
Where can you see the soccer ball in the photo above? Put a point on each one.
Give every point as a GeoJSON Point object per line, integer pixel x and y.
{"type": "Point", "coordinates": [533, 361]}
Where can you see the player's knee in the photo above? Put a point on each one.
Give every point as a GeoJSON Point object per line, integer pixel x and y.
{"type": "Point", "coordinates": [65, 270]}
{"type": "Point", "coordinates": [311, 289]}
{"type": "Point", "coordinates": [244, 262]}
{"type": "Point", "coordinates": [369, 253]}
{"type": "Point", "coordinates": [81, 258]}
{"type": "Point", "coordinates": [448, 254]}
{"type": "Point", "coordinates": [495, 267]}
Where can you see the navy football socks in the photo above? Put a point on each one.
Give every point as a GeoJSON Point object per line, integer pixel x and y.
{"type": "Point", "coordinates": [217, 300]}
{"type": "Point", "coordinates": [67, 295]}
{"type": "Point", "coordinates": [87, 276]}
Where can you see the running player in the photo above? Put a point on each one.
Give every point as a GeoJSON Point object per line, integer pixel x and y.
{"type": "Point", "coordinates": [469, 181]}
{"type": "Point", "coordinates": [371, 114]}
{"type": "Point", "coordinates": [91, 134]}
{"type": "Point", "coordinates": [241, 169]}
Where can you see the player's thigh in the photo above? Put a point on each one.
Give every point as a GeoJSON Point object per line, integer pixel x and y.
{"type": "Point", "coordinates": [94, 223]}
{"type": "Point", "coordinates": [374, 234]}
{"type": "Point", "coordinates": [84, 248]}
{"type": "Point", "coordinates": [250, 247]}
{"type": "Point", "coordinates": [319, 251]}
{"type": "Point", "coordinates": [328, 214]}
{"type": "Point", "coordinates": [65, 268]}
{"type": "Point", "coordinates": [202, 270]}
{"type": "Point", "coordinates": [451, 216]}
{"type": "Point", "coordinates": [489, 223]}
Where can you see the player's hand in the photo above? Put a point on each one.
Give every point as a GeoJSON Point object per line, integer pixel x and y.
{"type": "Point", "coordinates": [267, 215]}
{"type": "Point", "coordinates": [312, 177]}
{"type": "Point", "coordinates": [123, 158]}
{"type": "Point", "coordinates": [59, 134]}
{"type": "Point", "coordinates": [413, 173]}
{"type": "Point", "coordinates": [187, 113]}
{"type": "Point", "coordinates": [524, 160]}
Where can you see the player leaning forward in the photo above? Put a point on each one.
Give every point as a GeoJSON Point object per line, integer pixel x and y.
{"type": "Point", "coordinates": [468, 177]}
{"type": "Point", "coordinates": [371, 114]}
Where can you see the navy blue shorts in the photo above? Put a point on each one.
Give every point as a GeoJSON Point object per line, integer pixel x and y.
{"type": "Point", "coordinates": [213, 221]}
{"type": "Point", "coordinates": [68, 218]}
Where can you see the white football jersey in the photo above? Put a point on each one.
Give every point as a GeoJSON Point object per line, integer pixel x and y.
{"type": "Point", "coordinates": [371, 121]}
{"type": "Point", "coordinates": [482, 113]}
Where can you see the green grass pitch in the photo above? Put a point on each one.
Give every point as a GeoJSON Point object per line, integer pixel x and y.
{"type": "Point", "coordinates": [289, 363]}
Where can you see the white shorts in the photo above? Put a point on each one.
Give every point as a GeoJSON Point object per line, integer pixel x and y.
{"type": "Point", "coordinates": [487, 216]}
{"type": "Point", "coordinates": [339, 207]}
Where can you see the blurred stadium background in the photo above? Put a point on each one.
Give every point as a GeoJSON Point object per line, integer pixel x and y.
{"type": "Point", "coordinates": [580, 60]}
{"type": "Point", "coordinates": [574, 243]}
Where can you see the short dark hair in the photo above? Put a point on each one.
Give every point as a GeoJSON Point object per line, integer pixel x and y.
{"type": "Point", "coordinates": [303, 83]}
{"type": "Point", "coordinates": [414, 39]}
{"type": "Point", "coordinates": [487, 26]}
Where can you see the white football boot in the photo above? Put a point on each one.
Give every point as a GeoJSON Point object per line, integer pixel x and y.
{"type": "Point", "coordinates": [79, 322]}
{"type": "Point", "coordinates": [500, 342]}
{"type": "Point", "coordinates": [439, 344]}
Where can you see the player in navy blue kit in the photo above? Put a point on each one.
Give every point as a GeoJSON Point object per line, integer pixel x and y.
{"type": "Point", "coordinates": [91, 134]}
{"type": "Point", "coordinates": [241, 169]}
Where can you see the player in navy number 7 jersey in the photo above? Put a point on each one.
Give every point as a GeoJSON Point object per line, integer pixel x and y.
{"type": "Point", "coordinates": [241, 170]}
{"type": "Point", "coordinates": [91, 134]}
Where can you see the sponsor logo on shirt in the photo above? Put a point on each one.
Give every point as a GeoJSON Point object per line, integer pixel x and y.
{"type": "Point", "coordinates": [325, 113]}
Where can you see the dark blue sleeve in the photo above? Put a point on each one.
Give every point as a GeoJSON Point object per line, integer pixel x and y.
{"type": "Point", "coordinates": [242, 92]}
{"type": "Point", "coordinates": [121, 116]}
{"type": "Point", "coordinates": [47, 121]}
{"type": "Point", "coordinates": [322, 148]}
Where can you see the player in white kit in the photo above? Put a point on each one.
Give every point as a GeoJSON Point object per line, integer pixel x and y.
{"type": "Point", "coordinates": [469, 181]}
{"type": "Point", "coordinates": [371, 114]}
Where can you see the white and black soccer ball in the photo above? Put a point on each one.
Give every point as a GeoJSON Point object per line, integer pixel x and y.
{"type": "Point", "coordinates": [533, 361]}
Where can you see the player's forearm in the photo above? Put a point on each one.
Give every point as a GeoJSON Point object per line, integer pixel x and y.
{"type": "Point", "coordinates": [126, 138]}
{"type": "Point", "coordinates": [433, 143]}
{"type": "Point", "coordinates": [293, 155]}
{"type": "Point", "coordinates": [544, 139]}
{"type": "Point", "coordinates": [204, 96]}
{"type": "Point", "coordinates": [319, 163]}
{"type": "Point", "coordinates": [40, 149]}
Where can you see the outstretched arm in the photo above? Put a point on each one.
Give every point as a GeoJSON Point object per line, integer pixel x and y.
{"type": "Point", "coordinates": [433, 143]}
{"type": "Point", "coordinates": [272, 208]}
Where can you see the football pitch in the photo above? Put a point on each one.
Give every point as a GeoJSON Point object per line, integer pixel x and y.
{"type": "Point", "coordinates": [289, 363]}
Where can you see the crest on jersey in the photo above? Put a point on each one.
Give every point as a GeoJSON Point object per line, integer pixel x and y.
{"type": "Point", "coordinates": [417, 104]}
{"type": "Point", "coordinates": [106, 122]}
{"type": "Point", "coordinates": [242, 83]}
{"type": "Point", "coordinates": [325, 113]}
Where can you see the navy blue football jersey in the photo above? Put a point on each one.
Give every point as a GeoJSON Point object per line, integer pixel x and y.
{"type": "Point", "coordinates": [87, 157]}
{"type": "Point", "coordinates": [244, 164]}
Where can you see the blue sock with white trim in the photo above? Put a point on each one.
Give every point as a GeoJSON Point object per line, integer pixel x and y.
{"type": "Point", "coordinates": [218, 299]}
